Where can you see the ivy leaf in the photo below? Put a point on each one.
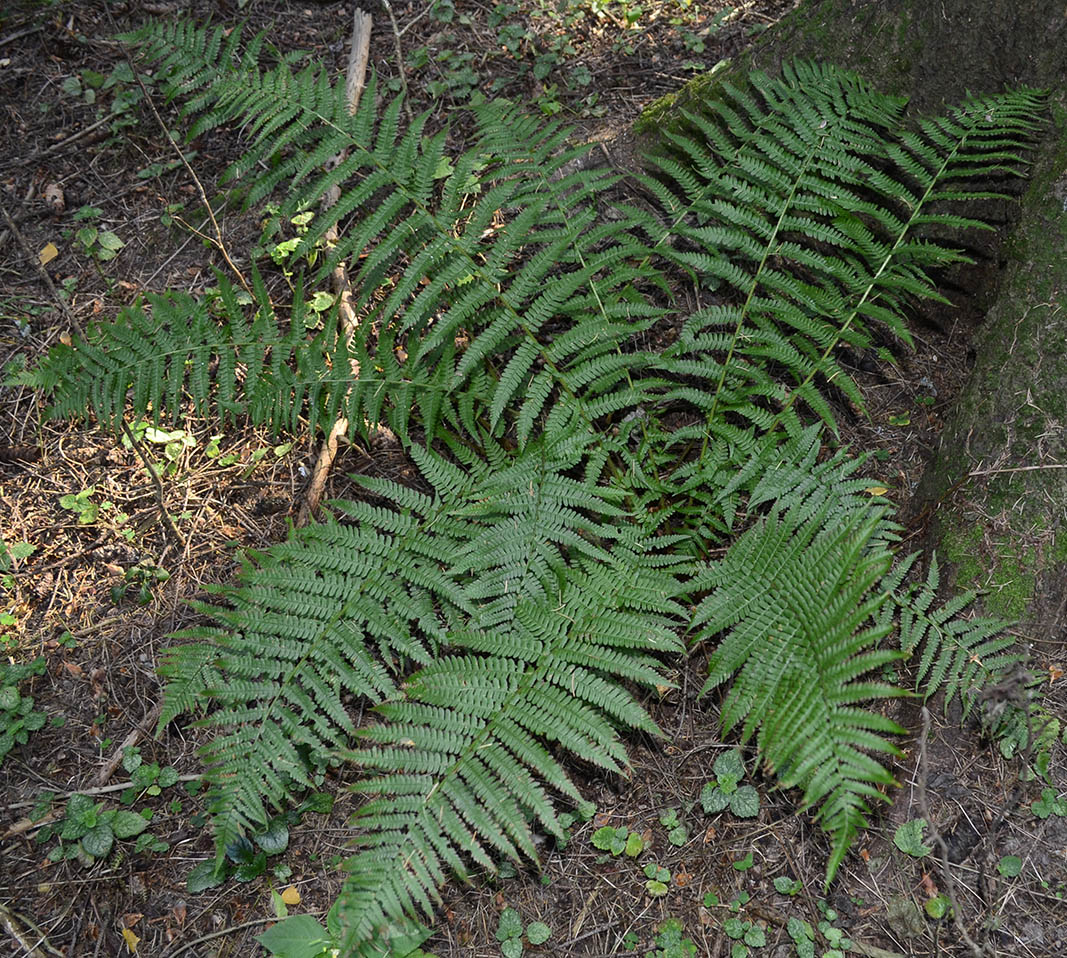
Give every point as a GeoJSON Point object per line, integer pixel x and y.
{"type": "Point", "coordinates": [98, 841]}
{"type": "Point", "coordinates": [744, 803]}
{"type": "Point", "coordinates": [537, 933]}
{"type": "Point", "coordinates": [909, 838]}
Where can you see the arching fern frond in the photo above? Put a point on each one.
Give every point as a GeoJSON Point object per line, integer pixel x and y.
{"type": "Point", "coordinates": [957, 654]}
{"type": "Point", "coordinates": [463, 763]}
{"type": "Point", "coordinates": [796, 605]}
{"type": "Point", "coordinates": [809, 218]}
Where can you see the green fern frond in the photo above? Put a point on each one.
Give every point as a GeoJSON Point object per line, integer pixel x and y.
{"type": "Point", "coordinates": [794, 607]}
{"type": "Point", "coordinates": [169, 353]}
{"type": "Point", "coordinates": [462, 763]}
{"type": "Point", "coordinates": [326, 616]}
{"type": "Point", "coordinates": [808, 216]}
{"type": "Point", "coordinates": [958, 654]}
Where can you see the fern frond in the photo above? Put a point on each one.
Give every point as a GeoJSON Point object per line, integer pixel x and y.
{"type": "Point", "coordinates": [462, 763]}
{"type": "Point", "coordinates": [958, 654]}
{"type": "Point", "coordinates": [328, 615]}
{"type": "Point", "coordinates": [810, 213]}
{"type": "Point", "coordinates": [795, 603]}
{"type": "Point", "coordinates": [173, 352]}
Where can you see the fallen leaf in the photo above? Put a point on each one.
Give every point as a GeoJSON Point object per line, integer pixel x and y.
{"type": "Point", "coordinates": [1055, 671]}
{"type": "Point", "coordinates": [291, 896]}
{"type": "Point", "coordinates": [74, 669]}
{"type": "Point", "coordinates": [131, 918]}
{"type": "Point", "coordinates": [48, 253]}
{"type": "Point", "coordinates": [876, 490]}
{"type": "Point", "coordinates": [132, 941]}
{"type": "Point", "coordinates": [53, 196]}
{"type": "Point", "coordinates": [929, 886]}
{"type": "Point", "coordinates": [179, 912]}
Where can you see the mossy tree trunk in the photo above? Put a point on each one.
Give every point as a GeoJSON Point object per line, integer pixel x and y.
{"type": "Point", "coordinates": [996, 491]}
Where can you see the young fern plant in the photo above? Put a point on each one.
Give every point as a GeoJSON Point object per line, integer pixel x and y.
{"type": "Point", "coordinates": [578, 474]}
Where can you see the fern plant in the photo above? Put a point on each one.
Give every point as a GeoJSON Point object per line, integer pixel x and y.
{"type": "Point", "coordinates": [513, 313]}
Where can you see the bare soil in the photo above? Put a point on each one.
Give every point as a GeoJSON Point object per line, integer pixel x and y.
{"type": "Point", "coordinates": [100, 688]}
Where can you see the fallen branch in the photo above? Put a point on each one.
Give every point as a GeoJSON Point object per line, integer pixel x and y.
{"type": "Point", "coordinates": [339, 284]}
{"type": "Point", "coordinates": [138, 732]}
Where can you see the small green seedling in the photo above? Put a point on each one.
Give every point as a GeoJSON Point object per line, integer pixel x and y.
{"type": "Point", "coordinates": [747, 934]}
{"type": "Point", "coordinates": [509, 933]}
{"type": "Point", "coordinates": [803, 936]}
{"type": "Point", "coordinates": [787, 886]}
{"type": "Point", "coordinates": [17, 715]}
{"type": "Point", "coordinates": [102, 245]}
{"type": "Point", "coordinates": [658, 878]}
{"type": "Point", "coordinates": [938, 907]}
{"type": "Point", "coordinates": [146, 778]}
{"type": "Point", "coordinates": [1049, 804]}
{"type": "Point", "coordinates": [174, 442]}
{"type": "Point", "coordinates": [88, 832]}
{"type": "Point", "coordinates": [677, 833]}
{"type": "Point", "coordinates": [837, 940]}
{"type": "Point", "coordinates": [670, 942]}
{"type": "Point", "coordinates": [618, 841]}
{"type": "Point", "coordinates": [137, 583]}
{"type": "Point", "coordinates": [909, 838]}
{"type": "Point", "coordinates": [242, 861]}
{"type": "Point", "coordinates": [78, 503]}
{"type": "Point", "coordinates": [1010, 866]}
{"type": "Point", "coordinates": [724, 792]}
{"type": "Point", "coordinates": [10, 554]}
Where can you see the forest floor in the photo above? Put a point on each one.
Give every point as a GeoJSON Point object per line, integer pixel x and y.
{"type": "Point", "coordinates": [90, 185]}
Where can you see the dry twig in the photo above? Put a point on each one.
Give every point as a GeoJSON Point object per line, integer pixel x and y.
{"type": "Point", "coordinates": [339, 283]}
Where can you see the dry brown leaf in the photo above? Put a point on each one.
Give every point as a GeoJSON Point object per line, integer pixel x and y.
{"type": "Point", "coordinates": [55, 198]}
{"type": "Point", "coordinates": [291, 896]}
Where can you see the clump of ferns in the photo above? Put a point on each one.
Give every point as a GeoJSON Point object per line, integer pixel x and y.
{"type": "Point", "coordinates": [594, 488]}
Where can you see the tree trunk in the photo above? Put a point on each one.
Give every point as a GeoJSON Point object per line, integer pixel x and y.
{"type": "Point", "coordinates": [996, 490]}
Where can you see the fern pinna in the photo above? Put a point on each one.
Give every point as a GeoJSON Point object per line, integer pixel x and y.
{"type": "Point", "coordinates": [584, 442]}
